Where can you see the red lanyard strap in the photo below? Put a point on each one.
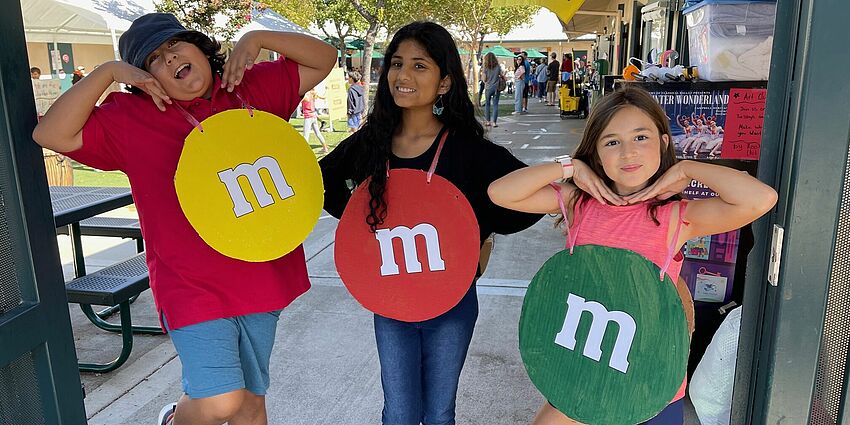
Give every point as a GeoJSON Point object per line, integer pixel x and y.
{"type": "Point", "coordinates": [437, 155]}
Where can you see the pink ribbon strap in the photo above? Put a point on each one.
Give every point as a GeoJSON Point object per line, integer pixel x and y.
{"type": "Point", "coordinates": [192, 120]}
{"type": "Point", "coordinates": [245, 103]}
{"type": "Point", "coordinates": [560, 198]}
{"type": "Point", "coordinates": [437, 155]}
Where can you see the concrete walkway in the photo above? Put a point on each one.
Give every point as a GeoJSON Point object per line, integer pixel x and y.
{"type": "Point", "coordinates": [324, 367]}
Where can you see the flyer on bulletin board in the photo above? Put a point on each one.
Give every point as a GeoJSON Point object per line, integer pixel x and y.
{"type": "Point", "coordinates": [744, 124]}
{"type": "Point", "coordinates": [709, 264]}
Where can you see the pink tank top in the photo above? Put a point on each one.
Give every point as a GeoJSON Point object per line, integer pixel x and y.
{"type": "Point", "coordinates": [630, 227]}
{"type": "Point", "coordinates": [308, 108]}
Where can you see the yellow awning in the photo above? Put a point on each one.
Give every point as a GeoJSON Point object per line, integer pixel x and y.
{"type": "Point", "coordinates": [565, 9]}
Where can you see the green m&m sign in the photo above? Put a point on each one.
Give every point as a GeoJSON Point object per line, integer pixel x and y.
{"type": "Point", "coordinates": [602, 338]}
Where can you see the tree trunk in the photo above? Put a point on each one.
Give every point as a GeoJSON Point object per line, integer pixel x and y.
{"type": "Point", "coordinates": [368, 43]}
{"type": "Point", "coordinates": [366, 60]}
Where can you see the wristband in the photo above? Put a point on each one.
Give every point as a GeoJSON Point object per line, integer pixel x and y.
{"type": "Point", "coordinates": [566, 162]}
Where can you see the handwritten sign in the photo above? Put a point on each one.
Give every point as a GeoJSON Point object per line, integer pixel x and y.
{"type": "Point", "coordinates": [744, 124]}
{"type": "Point", "coordinates": [46, 92]}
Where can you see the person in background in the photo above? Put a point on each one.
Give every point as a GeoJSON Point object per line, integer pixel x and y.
{"type": "Point", "coordinates": [529, 81]}
{"type": "Point", "coordinates": [566, 67]}
{"type": "Point", "coordinates": [356, 102]}
{"type": "Point", "coordinates": [35, 73]}
{"type": "Point", "coordinates": [308, 109]}
{"type": "Point", "coordinates": [542, 77]}
{"type": "Point", "coordinates": [552, 83]}
{"type": "Point", "coordinates": [519, 84]}
{"type": "Point", "coordinates": [492, 73]}
{"type": "Point", "coordinates": [78, 75]}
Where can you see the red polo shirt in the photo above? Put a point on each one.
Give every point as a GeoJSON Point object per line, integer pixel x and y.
{"type": "Point", "coordinates": [191, 282]}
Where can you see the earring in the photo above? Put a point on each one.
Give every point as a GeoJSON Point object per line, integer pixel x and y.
{"type": "Point", "coordinates": [438, 110]}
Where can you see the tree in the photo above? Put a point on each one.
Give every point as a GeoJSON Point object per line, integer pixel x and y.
{"type": "Point", "coordinates": [343, 17]}
{"type": "Point", "coordinates": [374, 14]}
{"type": "Point", "coordinates": [201, 15]}
{"type": "Point", "coordinates": [474, 19]}
{"type": "Point", "coordinates": [301, 13]}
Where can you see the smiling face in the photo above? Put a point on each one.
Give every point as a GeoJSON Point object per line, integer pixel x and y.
{"type": "Point", "coordinates": [182, 69]}
{"type": "Point", "coordinates": [414, 77]}
{"type": "Point", "coordinates": [630, 149]}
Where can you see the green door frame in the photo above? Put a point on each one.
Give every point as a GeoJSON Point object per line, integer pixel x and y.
{"type": "Point", "coordinates": [38, 331]}
{"type": "Point", "coordinates": [804, 155]}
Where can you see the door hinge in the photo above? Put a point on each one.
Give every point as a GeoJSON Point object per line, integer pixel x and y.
{"type": "Point", "coordinates": [775, 255]}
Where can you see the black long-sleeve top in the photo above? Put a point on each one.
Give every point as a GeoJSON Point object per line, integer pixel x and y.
{"type": "Point", "coordinates": [470, 162]}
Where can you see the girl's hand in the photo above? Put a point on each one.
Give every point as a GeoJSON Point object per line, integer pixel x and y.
{"type": "Point", "coordinates": [123, 72]}
{"type": "Point", "coordinates": [671, 183]}
{"type": "Point", "coordinates": [585, 179]}
{"type": "Point", "coordinates": [241, 58]}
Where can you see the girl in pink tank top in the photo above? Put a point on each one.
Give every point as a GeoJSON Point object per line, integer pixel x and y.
{"type": "Point", "coordinates": [622, 190]}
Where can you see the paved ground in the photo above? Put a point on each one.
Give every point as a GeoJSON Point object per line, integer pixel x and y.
{"type": "Point", "coordinates": [325, 367]}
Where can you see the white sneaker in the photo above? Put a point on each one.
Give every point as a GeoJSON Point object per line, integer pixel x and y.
{"type": "Point", "coordinates": [166, 415]}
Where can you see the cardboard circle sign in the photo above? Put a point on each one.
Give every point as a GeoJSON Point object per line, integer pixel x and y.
{"type": "Point", "coordinates": [422, 260]}
{"type": "Point", "coordinates": [249, 185]}
{"type": "Point", "coordinates": [602, 338]}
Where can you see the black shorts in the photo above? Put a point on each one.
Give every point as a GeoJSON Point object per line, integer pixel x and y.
{"type": "Point", "coordinates": [525, 90]}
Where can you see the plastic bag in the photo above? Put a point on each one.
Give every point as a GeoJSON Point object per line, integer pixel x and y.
{"type": "Point", "coordinates": [714, 377]}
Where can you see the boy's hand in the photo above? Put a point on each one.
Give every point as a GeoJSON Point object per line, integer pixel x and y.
{"type": "Point", "coordinates": [241, 58]}
{"type": "Point", "coordinates": [122, 72]}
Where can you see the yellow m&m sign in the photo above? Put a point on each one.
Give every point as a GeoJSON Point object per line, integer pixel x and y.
{"type": "Point", "coordinates": [249, 185]}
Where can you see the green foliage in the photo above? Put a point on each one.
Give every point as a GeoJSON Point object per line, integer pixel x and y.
{"type": "Point", "coordinates": [301, 13]}
{"type": "Point", "coordinates": [200, 15]}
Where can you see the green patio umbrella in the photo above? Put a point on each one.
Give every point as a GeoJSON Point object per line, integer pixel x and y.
{"type": "Point", "coordinates": [462, 51]}
{"type": "Point", "coordinates": [499, 51]}
{"type": "Point", "coordinates": [534, 54]}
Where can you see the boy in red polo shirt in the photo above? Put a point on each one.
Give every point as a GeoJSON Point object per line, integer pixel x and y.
{"type": "Point", "coordinates": [221, 313]}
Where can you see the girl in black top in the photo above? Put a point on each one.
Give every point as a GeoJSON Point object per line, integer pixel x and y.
{"type": "Point", "coordinates": [422, 94]}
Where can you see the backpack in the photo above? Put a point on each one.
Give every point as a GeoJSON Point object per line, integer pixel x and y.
{"type": "Point", "coordinates": [502, 83]}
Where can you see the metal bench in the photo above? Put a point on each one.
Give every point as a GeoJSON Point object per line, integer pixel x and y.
{"type": "Point", "coordinates": [113, 286]}
{"type": "Point", "coordinates": [110, 227]}
{"type": "Point", "coordinates": [116, 227]}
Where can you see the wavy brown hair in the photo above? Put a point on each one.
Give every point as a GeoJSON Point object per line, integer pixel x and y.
{"type": "Point", "coordinates": [602, 113]}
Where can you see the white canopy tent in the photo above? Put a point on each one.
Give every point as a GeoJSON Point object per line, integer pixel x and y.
{"type": "Point", "coordinates": [103, 21]}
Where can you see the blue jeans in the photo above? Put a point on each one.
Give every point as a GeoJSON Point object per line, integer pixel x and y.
{"type": "Point", "coordinates": [541, 89]}
{"type": "Point", "coordinates": [518, 88]}
{"type": "Point", "coordinates": [421, 364]}
{"type": "Point", "coordinates": [673, 414]}
{"type": "Point", "coordinates": [492, 98]}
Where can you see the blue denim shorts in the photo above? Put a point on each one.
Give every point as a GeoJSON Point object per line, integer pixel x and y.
{"type": "Point", "coordinates": [354, 121]}
{"type": "Point", "coordinates": [225, 355]}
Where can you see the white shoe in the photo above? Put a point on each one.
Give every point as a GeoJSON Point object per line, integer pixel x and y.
{"type": "Point", "coordinates": [166, 415]}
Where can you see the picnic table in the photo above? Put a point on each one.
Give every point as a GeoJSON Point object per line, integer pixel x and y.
{"type": "Point", "coordinates": [115, 286]}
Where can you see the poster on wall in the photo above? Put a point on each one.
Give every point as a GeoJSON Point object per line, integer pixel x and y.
{"type": "Point", "coordinates": [697, 120]}
{"type": "Point", "coordinates": [713, 120]}
{"type": "Point", "coordinates": [709, 265]}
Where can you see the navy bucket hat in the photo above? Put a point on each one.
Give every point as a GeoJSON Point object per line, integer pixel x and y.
{"type": "Point", "coordinates": [146, 34]}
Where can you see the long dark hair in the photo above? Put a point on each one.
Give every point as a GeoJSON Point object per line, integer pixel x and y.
{"type": "Point", "coordinates": [208, 45]}
{"type": "Point", "coordinates": [602, 113]}
{"type": "Point", "coordinates": [374, 140]}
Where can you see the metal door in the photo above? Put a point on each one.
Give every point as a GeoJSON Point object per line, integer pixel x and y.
{"type": "Point", "coordinates": [39, 381]}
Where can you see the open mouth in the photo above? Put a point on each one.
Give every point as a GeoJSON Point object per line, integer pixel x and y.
{"type": "Point", "coordinates": [183, 71]}
{"type": "Point", "coordinates": [405, 90]}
